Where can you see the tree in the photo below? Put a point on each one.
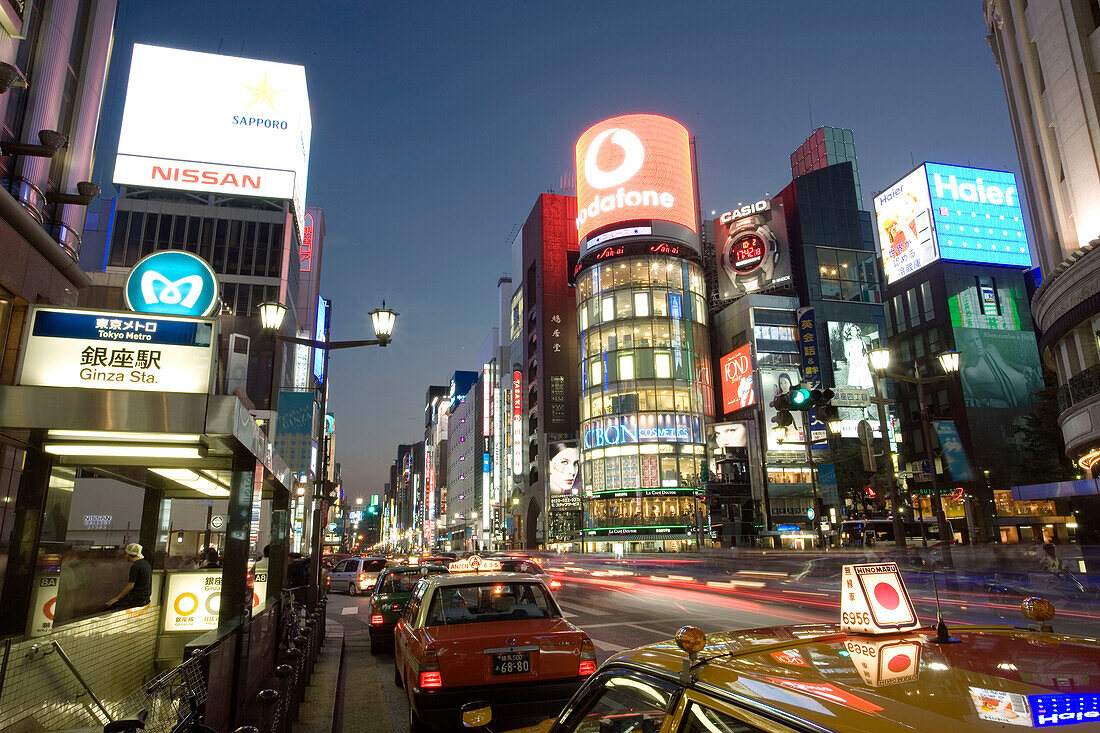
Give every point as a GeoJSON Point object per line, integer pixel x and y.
{"type": "Point", "coordinates": [1042, 452]}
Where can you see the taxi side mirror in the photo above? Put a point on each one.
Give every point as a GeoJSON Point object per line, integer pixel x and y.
{"type": "Point", "coordinates": [476, 714]}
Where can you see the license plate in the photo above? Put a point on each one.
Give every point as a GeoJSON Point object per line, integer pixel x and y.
{"type": "Point", "coordinates": [512, 663]}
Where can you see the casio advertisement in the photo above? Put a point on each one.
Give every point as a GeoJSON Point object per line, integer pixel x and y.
{"type": "Point", "coordinates": [751, 245]}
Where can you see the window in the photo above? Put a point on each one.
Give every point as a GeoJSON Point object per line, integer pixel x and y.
{"type": "Point", "coordinates": [914, 314]}
{"type": "Point", "coordinates": [596, 370]}
{"type": "Point", "coordinates": [701, 719]}
{"type": "Point", "coordinates": [608, 309]}
{"type": "Point", "coordinates": [641, 304]}
{"type": "Point", "coordinates": [623, 704]}
{"type": "Point", "coordinates": [926, 298]}
{"type": "Point", "coordinates": [474, 603]}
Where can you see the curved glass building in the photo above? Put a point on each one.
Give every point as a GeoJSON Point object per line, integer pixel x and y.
{"type": "Point", "coordinates": [646, 392]}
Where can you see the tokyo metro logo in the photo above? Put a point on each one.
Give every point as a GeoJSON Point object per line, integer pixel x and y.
{"type": "Point", "coordinates": [633, 157]}
{"type": "Point", "coordinates": [172, 282]}
{"type": "Point", "coordinates": [170, 293]}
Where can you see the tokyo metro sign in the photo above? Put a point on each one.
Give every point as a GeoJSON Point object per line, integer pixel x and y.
{"type": "Point", "coordinates": [172, 282]}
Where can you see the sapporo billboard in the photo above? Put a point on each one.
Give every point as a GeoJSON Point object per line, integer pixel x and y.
{"type": "Point", "coordinates": [634, 167]}
{"type": "Point", "coordinates": [751, 245]}
{"type": "Point", "coordinates": [215, 124]}
{"type": "Point", "coordinates": [71, 347]}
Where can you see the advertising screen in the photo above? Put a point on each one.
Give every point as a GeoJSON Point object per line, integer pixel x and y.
{"type": "Point", "coordinates": [751, 244]}
{"type": "Point", "coordinates": [977, 214]}
{"type": "Point", "coordinates": [218, 124]}
{"type": "Point", "coordinates": [562, 472]}
{"type": "Point", "coordinates": [849, 345]}
{"type": "Point", "coordinates": [998, 368]}
{"type": "Point", "coordinates": [954, 213]}
{"type": "Point", "coordinates": [634, 167]}
{"type": "Point", "coordinates": [773, 382]}
{"type": "Point", "coordinates": [905, 232]}
{"type": "Point", "coordinates": [737, 387]}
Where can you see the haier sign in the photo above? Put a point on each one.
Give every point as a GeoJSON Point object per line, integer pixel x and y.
{"type": "Point", "coordinates": [954, 213]}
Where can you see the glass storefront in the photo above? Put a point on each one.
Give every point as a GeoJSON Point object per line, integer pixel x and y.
{"type": "Point", "coordinates": [646, 397]}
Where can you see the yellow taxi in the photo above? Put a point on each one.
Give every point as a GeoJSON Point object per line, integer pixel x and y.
{"type": "Point", "coordinates": [877, 670]}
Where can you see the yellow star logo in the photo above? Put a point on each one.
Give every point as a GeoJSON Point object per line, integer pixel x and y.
{"type": "Point", "coordinates": [263, 92]}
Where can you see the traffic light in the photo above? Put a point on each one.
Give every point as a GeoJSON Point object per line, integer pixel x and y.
{"type": "Point", "coordinates": [372, 509]}
{"type": "Point", "coordinates": [801, 399]}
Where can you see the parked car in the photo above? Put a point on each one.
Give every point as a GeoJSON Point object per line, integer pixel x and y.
{"type": "Point", "coordinates": [356, 575]}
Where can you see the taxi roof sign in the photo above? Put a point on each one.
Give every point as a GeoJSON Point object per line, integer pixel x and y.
{"type": "Point", "coordinates": [875, 601]}
{"type": "Point", "coordinates": [475, 564]}
{"type": "Point", "coordinates": [888, 662]}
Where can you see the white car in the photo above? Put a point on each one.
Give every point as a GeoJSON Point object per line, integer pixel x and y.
{"type": "Point", "coordinates": [356, 575]}
{"type": "Point", "coordinates": [526, 565]}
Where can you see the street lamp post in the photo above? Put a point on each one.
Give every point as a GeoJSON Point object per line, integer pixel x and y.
{"type": "Point", "coordinates": [949, 363]}
{"type": "Point", "coordinates": [271, 317]}
{"type": "Point", "coordinates": [880, 362]}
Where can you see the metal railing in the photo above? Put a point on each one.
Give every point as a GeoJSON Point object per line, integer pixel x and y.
{"type": "Point", "coordinates": [1081, 386]}
{"type": "Point", "coordinates": [42, 649]}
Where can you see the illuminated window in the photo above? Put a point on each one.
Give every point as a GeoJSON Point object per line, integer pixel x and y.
{"type": "Point", "coordinates": [662, 365]}
{"type": "Point", "coordinates": [608, 309]}
{"type": "Point", "coordinates": [584, 318]}
{"type": "Point", "coordinates": [641, 304]}
{"type": "Point", "coordinates": [596, 371]}
{"type": "Point", "coordinates": [626, 366]}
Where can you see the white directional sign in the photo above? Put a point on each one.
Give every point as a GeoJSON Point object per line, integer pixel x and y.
{"type": "Point", "coordinates": [851, 397]}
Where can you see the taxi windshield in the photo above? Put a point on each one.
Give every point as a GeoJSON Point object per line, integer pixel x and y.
{"type": "Point", "coordinates": [465, 604]}
{"type": "Point", "coordinates": [398, 582]}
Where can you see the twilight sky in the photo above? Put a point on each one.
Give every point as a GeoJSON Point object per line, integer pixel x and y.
{"type": "Point", "coordinates": [437, 124]}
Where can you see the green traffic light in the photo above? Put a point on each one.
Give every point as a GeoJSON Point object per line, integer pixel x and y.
{"type": "Point", "coordinates": [800, 397]}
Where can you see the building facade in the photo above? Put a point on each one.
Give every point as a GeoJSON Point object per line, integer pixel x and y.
{"type": "Point", "coordinates": [1048, 54]}
{"type": "Point", "coordinates": [646, 396]}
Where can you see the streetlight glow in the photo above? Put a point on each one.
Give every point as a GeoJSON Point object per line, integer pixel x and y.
{"type": "Point", "coordinates": [880, 360]}
{"type": "Point", "coordinates": [272, 315]}
{"type": "Point", "coordinates": [383, 320]}
{"type": "Point", "coordinates": [949, 361]}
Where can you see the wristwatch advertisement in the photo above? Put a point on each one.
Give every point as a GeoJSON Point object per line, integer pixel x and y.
{"type": "Point", "coordinates": [752, 255]}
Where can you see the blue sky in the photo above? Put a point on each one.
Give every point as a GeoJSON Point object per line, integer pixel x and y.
{"type": "Point", "coordinates": [437, 124]}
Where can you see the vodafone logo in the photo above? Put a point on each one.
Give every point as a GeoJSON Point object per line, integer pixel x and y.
{"type": "Point", "coordinates": [633, 157]}
{"type": "Point", "coordinates": [634, 167]}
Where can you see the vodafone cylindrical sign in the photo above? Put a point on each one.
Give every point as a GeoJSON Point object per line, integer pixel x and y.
{"type": "Point", "coordinates": [634, 167]}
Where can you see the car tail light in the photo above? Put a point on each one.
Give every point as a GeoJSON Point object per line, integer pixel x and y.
{"type": "Point", "coordinates": [588, 658]}
{"type": "Point", "coordinates": [376, 618]}
{"type": "Point", "coordinates": [362, 577]}
{"type": "Point", "coordinates": [555, 584]}
{"type": "Point", "coordinates": [429, 675]}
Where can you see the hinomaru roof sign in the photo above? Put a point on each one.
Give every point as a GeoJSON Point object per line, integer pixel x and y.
{"type": "Point", "coordinates": [875, 600]}
{"type": "Point", "coordinates": [475, 564]}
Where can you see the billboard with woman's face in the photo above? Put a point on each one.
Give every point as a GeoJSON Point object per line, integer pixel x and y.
{"type": "Point", "coordinates": [562, 473]}
{"type": "Point", "coordinates": [776, 380]}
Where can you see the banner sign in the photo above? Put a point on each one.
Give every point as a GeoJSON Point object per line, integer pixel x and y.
{"type": "Point", "coordinates": [735, 369]}
{"type": "Point", "coordinates": [810, 354]}
{"type": "Point", "coordinates": [69, 347]}
{"type": "Point", "coordinates": [628, 531]}
{"type": "Point", "coordinates": [296, 428]}
{"type": "Point", "coordinates": [953, 450]}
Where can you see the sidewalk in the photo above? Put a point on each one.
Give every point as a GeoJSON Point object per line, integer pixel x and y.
{"type": "Point", "coordinates": [346, 694]}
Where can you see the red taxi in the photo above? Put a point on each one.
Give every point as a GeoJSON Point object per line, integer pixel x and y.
{"type": "Point", "coordinates": [479, 634]}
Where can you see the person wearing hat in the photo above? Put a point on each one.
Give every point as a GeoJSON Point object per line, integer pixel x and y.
{"type": "Point", "coordinates": [139, 589]}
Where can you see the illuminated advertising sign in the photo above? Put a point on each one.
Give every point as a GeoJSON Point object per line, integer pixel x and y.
{"type": "Point", "coordinates": [172, 282]}
{"type": "Point", "coordinates": [849, 346]}
{"type": "Point", "coordinates": [774, 381]}
{"type": "Point", "coordinates": [634, 167]}
{"type": "Point", "coordinates": [731, 434]}
{"type": "Point", "coordinates": [70, 347]}
{"type": "Point", "coordinates": [246, 120]}
{"type": "Point", "coordinates": [954, 213]}
{"type": "Point", "coordinates": [517, 422]}
{"type": "Point", "coordinates": [486, 399]}
{"type": "Point", "coordinates": [978, 215]}
{"type": "Point", "coordinates": [737, 387]}
{"type": "Point", "coordinates": [752, 250]}
{"type": "Point", "coordinates": [305, 252]}
{"type": "Point", "coordinates": [642, 428]}
{"type": "Point", "coordinates": [319, 335]}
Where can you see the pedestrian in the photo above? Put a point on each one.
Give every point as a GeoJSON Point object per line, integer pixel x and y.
{"type": "Point", "coordinates": [139, 589]}
{"type": "Point", "coordinates": [210, 558]}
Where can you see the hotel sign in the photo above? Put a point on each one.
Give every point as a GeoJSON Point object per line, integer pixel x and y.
{"type": "Point", "coordinates": [70, 347]}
